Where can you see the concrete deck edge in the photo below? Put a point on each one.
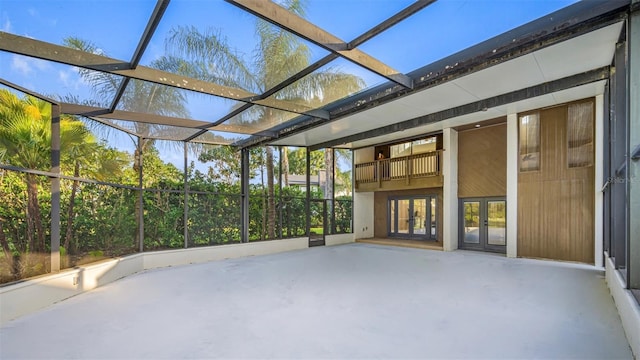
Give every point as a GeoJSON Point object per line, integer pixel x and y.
{"type": "Point", "coordinates": [31, 295]}
{"type": "Point", "coordinates": [628, 307]}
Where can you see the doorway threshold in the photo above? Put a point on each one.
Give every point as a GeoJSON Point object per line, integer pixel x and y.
{"type": "Point", "coordinates": [420, 244]}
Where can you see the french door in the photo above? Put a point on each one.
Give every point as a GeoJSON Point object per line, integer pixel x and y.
{"type": "Point", "coordinates": [412, 217]}
{"type": "Point", "coordinates": [483, 224]}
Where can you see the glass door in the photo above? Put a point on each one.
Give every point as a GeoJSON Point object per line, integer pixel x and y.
{"type": "Point", "coordinates": [318, 225]}
{"type": "Point", "coordinates": [483, 224]}
{"type": "Point", "coordinates": [412, 217]}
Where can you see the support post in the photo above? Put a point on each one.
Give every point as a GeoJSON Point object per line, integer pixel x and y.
{"type": "Point", "coordinates": [408, 170]}
{"type": "Point", "coordinates": [512, 185]}
{"type": "Point", "coordinates": [598, 220]}
{"type": "Point", "coordinates": [140, 213]}
{"type": "Point", "coordinates": [333, 192]}
{"type": "Point", "coordinates": [186, 196]}
{"type": "Point", "coordinates": [55, 188]}
{"type": "Point", "coordinates": [450, 190]}
{"type": "Point", "coordinates": [244, 184]}
{"type": "Point", "coordinates": [280, 207]}
{"type": "Point", "coordinates": [308, 202]}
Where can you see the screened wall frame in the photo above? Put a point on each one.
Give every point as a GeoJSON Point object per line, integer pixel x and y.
{"type": "Point", "coordinates": [139, 73]}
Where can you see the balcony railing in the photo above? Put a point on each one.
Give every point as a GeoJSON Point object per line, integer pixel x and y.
{"type": "Point", "coordinates": [406, 167]}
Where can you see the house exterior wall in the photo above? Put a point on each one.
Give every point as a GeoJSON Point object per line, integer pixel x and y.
{"type": "Point", "coordinates": [381, 208]}
{"type": "Point", "coordinates": [482, 162]}
{"type": "Point", "coordinates": [556, 202]}
{"type": "Point", "coordinates": [363, 219]}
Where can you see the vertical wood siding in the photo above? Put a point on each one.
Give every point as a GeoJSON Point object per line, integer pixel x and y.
{"type": "Point", "coordinates": [556, 203]}
{"type": "Point", "coordinates": [482, 162]}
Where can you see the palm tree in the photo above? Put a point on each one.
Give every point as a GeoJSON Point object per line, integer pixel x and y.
{"type": "Point", "coordinates": [139, 96]}
{"type": "Point", "coordinates": [25, 140]}
{"type": "Point", "coordinates": [277, 56]}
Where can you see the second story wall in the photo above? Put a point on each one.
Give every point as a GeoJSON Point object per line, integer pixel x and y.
{"type": "Point", "coordinates": [482, 162]}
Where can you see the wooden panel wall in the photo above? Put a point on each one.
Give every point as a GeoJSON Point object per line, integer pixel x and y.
{"type": "Point", "coordinates": [380, 209]}
{"type": "Point", "coordinates": [482, 162]}
{"type": "Point", "coordinates": [556, 203]}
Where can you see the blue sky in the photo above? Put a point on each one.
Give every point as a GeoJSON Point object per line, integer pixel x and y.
{"type": "Point", "coordinates": [115, 26]}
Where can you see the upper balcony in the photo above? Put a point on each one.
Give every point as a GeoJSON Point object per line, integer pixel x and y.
{"type": "Point", "coordinates": [405, 172]}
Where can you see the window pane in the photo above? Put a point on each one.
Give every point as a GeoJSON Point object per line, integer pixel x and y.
{"type": "Point", "coordinates": [401, 150]}
{"type": "Point", "coordinates": [580, 135]}
{"type": "Point", "coordinates": [433, 218]}
{"type": "Point", "coordinates": [392, 205]}
{"type": "Point", "coordinates": [471, 222]}
{"type": "Point", "coordinates": [530, 142]}
{"type": "Point", "coordinates": [424, 145]}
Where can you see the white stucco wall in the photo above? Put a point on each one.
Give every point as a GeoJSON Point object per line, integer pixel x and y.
{"type": "Point", "coordinates": [363, 204]}
{"type": "Point", "coordinates": [598, 221]}
{"type": "Point", "coordinates": [450, 190]}
{"type": "Point", "coordinates": [338, 239]}
{"type": "Point", "coordinates": [178, 257]}
{"type": "Point", "coordinates": [31, 295]}
{"type": "Point", "coordinates": [627, 305]}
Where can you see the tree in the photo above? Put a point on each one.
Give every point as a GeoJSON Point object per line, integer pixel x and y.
{"type": "Point", "coordinates": [25, 141]}
{"type": "Point", "coordinates": [94, 160]}
{"type": "Point", "coordinates": [139, 96]}
{"type": "Point", "coordinates": [298, 161]}
{"type": "Point", "coordinates": [278, 55]}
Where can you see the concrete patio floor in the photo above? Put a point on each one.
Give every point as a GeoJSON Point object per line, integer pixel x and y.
{"type": "Point", "coordinates": [350, 301]}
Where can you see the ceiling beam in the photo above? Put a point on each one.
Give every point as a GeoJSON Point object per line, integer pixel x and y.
{"type": "Point", "coordinates": [477, 106]}
{"type": "Point", "coordinates": [114, 126]}
{"type": "Point", "coordinates": [28, 92]}
{"type": "Point", "coordinates": [104, 113]}
{"type": "Point", "coordinates": [279, 16]}
{"type": "Point", "coordinates": [42, 50]}
{"type": "Point", "coordinates": [152, 25]}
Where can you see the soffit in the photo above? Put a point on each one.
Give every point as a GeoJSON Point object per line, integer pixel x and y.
{"type": "Point", "coordinates": [589, 51]}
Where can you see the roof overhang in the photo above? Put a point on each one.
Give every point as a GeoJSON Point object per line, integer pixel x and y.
{"type": "Point", "coordinates": [562, 57]}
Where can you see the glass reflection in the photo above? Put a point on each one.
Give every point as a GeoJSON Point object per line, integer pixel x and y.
{"type": "Point", "coordinates": [393, 216]}
{"type": "Point", "coordinates": [403, 216]}
{"type": "Point", "coordinates": [260, 118]}
{"type": "Point", "coordinates": [496, 218]}
{"type": "Point", "coordinates": [419, 216]}
{"type": "Point", "coordinates": [471, 222]}
{"type": "Point", "coordinates": [433, 218]}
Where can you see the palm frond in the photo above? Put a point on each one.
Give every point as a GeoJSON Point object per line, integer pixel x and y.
{"type": "Point", "coordinates": [104, 85]}
{"type": "Point", "coordinates": [209, 57]}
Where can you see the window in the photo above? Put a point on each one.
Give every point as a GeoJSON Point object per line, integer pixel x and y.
{"type": "Point", "coordinates": [580, 135]}
{"type": "Point", "coordinates": [400, 150]}
{"type": "Point", "coordinates": [414, 147]}
{"type": "Point", "coordinates": [530, 142]}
